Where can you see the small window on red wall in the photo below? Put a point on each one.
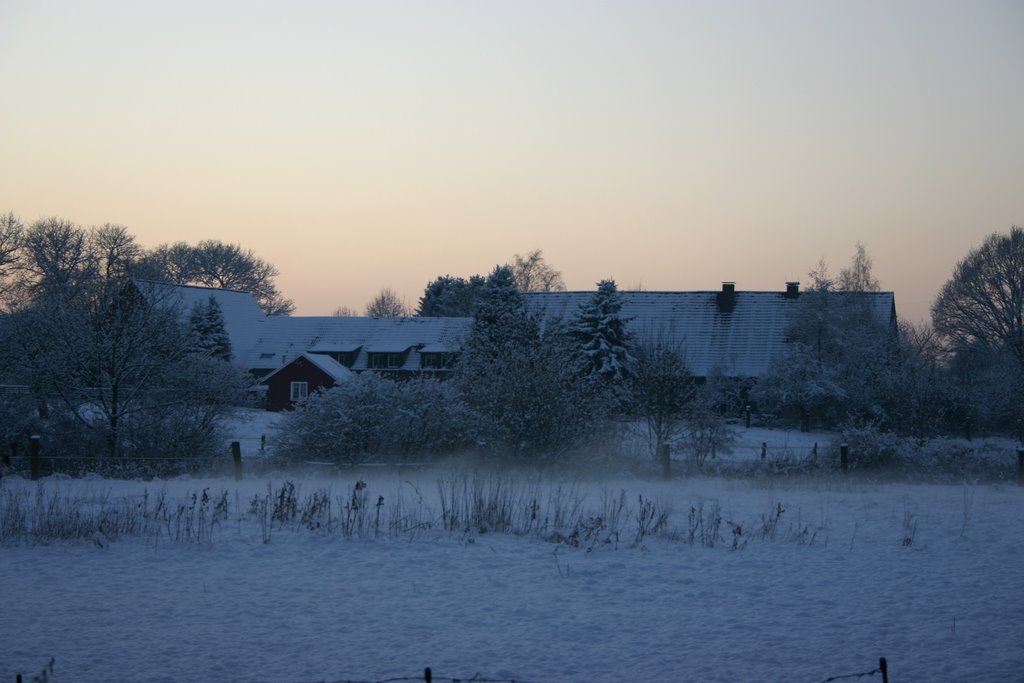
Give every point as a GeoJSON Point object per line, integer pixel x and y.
{"type": "Point", "coordinates": [299, 390]}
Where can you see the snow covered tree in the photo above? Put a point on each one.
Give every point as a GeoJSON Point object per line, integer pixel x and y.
{"type": "Point", "coordinates": [859, 275]}
{"type": "Point", "coordinates": [526, 387]}
{"type": "Point", "coordinates": [372, 419]}
{"type": "Point", "coordinates": [662, 390]}
{"type": "Point", "coordinates": [449, 296]}
{"type": "Point", "coordinates": [603, 339]}
{"type": "Point", "coordinates": [206, 325]}
{"type": "Point", "coordinates": [921, 394]}
{"type": "Point", "coordinates": [803, 384]}
{"type": "Point", "coordinates": [841, 357]}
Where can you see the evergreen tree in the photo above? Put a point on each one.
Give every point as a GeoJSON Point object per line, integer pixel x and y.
{"type": "Point", "coordinates": [525, 386]}
{"type": "Point", "coordinates": [449, 297]}
{"type": "Point", "coordinates": [603, 339]}
{"type": "Point", "coordinates": [206, 325]}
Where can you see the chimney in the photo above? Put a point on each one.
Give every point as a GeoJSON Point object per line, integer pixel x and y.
{"type": "Point", "coordinates": [727, 297]}
{"type": "Point", "coordinates": [792, 290]}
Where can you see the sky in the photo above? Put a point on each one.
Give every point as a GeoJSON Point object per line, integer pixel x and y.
{"type": "Point", "coordinates": [669, 145]}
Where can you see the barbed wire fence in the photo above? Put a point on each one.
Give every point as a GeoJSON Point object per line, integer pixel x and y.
{"type": "Point", "coordinates": [883, 669]}
{"type": "Point", "coordinates": [47, 674]}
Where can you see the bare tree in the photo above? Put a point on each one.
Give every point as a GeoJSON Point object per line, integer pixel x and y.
{"type": "Point", "coordinates": [214, 264]}
{"type": "Point", "coordinates": [345, 312]}
{"type": "Point", "coordinates": [982, 305]}
{"type": "Point", "coordinates": [12, 235]}
{"type": "Point", "coordinates": [387, 304]}
{"type": "Point", "coordinates": [820, 277]}
{"type": "Point", "coordinates": [663, 390]}
{"type": "Point", "coordinates": [57, 259]}
{"type": "Point", "coordinates": [116, 250]}
{"type": "Point", "coordinates": [534, 274]}
{"type": "Point", "coordinates": [858, 277]}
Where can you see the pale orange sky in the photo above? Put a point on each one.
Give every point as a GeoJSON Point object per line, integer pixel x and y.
{"type": "Point", "coordinates": [671, 145]}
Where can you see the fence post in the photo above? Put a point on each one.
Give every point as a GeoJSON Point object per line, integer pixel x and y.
{"type": "Point", "coordinates": [427, 675]}
{"type": "Point", "coordinates": [236, 457]}
{"type": "Point", "coordinates": [883, 666]}
{"type": "Point", "coordinates": [844, 457]}
{"type": "Point", "coordinates": [33, 456]}
{"type": "Point", "coordinates": [263, 442]}
{"type": "Point", "coordinates": [1020, 465]}
{"type": "Point", "coordinates": [666, 462]}
{"type": "Point", "coordinates": [764, 450]}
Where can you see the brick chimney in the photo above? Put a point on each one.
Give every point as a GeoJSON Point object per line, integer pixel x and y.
{"type": "Point", "coordinates": [727, 297]}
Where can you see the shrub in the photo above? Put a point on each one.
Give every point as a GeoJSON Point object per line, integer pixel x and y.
{"type": "Point", "coordinates": [370, 419]}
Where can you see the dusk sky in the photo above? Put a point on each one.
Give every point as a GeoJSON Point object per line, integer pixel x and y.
{"type": "Point", "coordinates": [670, 145]}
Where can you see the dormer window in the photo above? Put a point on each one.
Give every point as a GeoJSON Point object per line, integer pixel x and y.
{"type": "Point", "coordinates": [346, 358]}
{"type": "Point", "coordinates": [436, 361]}
{"type": "Point", "coordinates": [385, 361]}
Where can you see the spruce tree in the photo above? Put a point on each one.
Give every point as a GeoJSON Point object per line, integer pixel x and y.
{"type": "Point", "coordinates": [604, 343]}
{"type": "Point", "coordinates": [206, 325]}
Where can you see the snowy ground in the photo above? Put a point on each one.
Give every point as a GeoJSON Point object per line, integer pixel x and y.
{"type": "Point", "coordinates": [928, 576]}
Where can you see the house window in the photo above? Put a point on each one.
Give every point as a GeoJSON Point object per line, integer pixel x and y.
{"type": "Point", "coordinates": [436, 361]}
{"type": "Point", "coordinates": [346, 358]}
{"type": "Point", "coordinates": [386, 361]}
{"type": "Point", "coordinates": [299, 390]}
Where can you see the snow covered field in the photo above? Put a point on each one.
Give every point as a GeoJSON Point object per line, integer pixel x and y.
{"type": "Point", "coordinates": [928, 576]}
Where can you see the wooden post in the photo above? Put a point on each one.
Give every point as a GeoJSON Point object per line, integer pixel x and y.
{"type": "Point", "coordinates": [764, 450]}
{"type": "Point", "coordinates": [263, 442]}
{"type": "Point", "coordinates": [1020, 465]}
{"type": "Point", "coordinates": [844, 457]}
{"type": "Point", "coordinates": [883, 666]}
{"type": "Point", "coordinates": [666, 462]}
{"type": "Point", "coordinates": [33, 456]}
{"type": "Point", "coordinates": [428, 676]}
{"type": "Point", "coordinates": [236, 457]}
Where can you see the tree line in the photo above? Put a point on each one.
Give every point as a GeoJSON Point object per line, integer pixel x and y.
{"type": "Point", "coordinates": [98, 359]}
{"type": "Point", "coordinates": [528, 386]}
{"type": "Point", "coordinates": [108, 369]}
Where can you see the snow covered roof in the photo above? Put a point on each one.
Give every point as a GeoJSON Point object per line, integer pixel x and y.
{"type": "Point", "coordinates": [243, 317]}
{"type": "Point", "coordinates": [282, 339]}
{"type": "Point", "coordinates": [331, 367]}
{"type": "Point", "coordinates": [741, 342]}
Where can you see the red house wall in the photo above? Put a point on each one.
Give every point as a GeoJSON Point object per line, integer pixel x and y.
{"type": "Point", "coordinates": [299, 370]}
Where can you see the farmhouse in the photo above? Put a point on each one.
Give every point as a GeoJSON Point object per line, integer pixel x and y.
{"type": "Point", "coordinates": [731, 332]}
{"type": "Point", "coordinates": [735, 333]}
{"type": "Point", "coordinates": [243, 317]}
{"type": "Point", "coordinates": [394, 347]}
{"type": "Point", "coordinates": [302, 376]}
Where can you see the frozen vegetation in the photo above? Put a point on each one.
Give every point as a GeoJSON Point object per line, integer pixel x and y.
{"type": "Point", "coordinates": [372, 573]}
